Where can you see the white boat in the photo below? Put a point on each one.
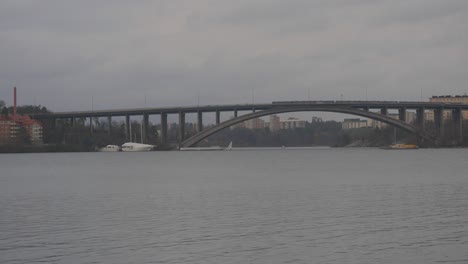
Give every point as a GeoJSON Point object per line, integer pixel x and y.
{"type": "Point", "coordinates": [133, 147]}
{"type": "Point", "coordinates": [110, 148]}
{"type": "Point", "coordinates": [207, 148]}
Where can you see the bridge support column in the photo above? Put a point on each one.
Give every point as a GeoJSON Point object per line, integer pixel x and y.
{"type": "Point", "coordinates": [109, 125]}
{"type": "Point", "coordinates": [420, 119]}
{"type": "Point", "coordinates": [402, 114]}
{"type": "Point", "coordinates": [91, 124]}
{"type": "Point", "coordinates": [181, 127]}
{"type": "Point", "coordinates": [145, 124]}
{"type": "Point", "coordinates": [439, 122]}
{"type": "Point", "coordinates": [218, 117]}
{"type": "Point", "coordinates": [127, 128]}
{"type": "Point", "coordinates": [200, 121]}
{"type": "Point", "coordinates": [235, 113]}
{"type": "Point", "coordinates": [72, 122]}
{"type": "Point", "coordinates": [457, 119]}
{"type": "Point", "coordinates": [163, 129]}
{"type": "Point", "coordinates": [53, 123]}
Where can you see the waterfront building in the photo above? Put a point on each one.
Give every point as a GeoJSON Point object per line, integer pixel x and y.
{"type": "Point", "coordinates": [458, 99]}
{"type": "Point", "coordinates": [255, 123]}
{"type": "Point", "coordinates": [352, 123]}
{"type": "Point", "coordinates": [449, 99]}
{"type": "Point", "coordinates": [410, 118]}
{"type": "Point", "coordinates": [292, 123]}
{"type": "Point", "coordinates": [13, 129]}
{"type": "Point", "coordinates": [274, 123]}
{"type": "Point", "coordinates": [317, 119]}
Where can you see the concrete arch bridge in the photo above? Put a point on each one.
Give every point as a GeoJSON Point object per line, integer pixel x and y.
{"type": "Point", "coordinates": [310, 108]}
{"type": "Point", "coordinates": [377, 110]}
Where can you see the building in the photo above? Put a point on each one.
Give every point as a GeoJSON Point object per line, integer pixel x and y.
{"type": "Point", "coordinates": [275, 123]}
{"type": "Point", "coordinates": [9, 131]}
{"type": "Point", "coordinates": [352, 123]}
{"type": "Point", "coordinates": [449, 99]}
{"type": "Point", "coordinates": [317, 119]}
{"type": "Point", "coordinates": [457, 99]}
{"type": "Point", "coordinates": [292, 123]}
{"type": "Point", "coordinates": [410, 118]}
{"type": "Point", "coordinates": [14, 129]}
{"type": "Point", "coordinates": [255, 123]}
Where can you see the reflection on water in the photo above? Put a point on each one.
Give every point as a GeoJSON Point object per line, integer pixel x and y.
{"type": "Point", "coordinates": [270, 206]}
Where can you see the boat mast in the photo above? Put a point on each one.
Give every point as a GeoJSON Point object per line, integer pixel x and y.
{"type": "Point", "coordinates": [130, 130]}
{"type": "Point", "coordinates": [141, 131]}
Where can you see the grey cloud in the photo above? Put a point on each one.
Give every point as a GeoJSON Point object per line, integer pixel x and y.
{"type": "Point", "coordinates": [64, 52]}
{"type": "Point", "coordinates": [420, 11]}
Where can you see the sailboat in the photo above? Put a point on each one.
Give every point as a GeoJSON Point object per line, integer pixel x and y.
{"type": "Point", "coordinates": [135, 147]}
{"type": "Point", "coordinates": [229, 147]}
{"type": "Point", "coordinates": [400, 146]}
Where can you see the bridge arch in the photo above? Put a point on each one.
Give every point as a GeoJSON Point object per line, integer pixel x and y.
{"type": "Point", "coordinates": [306, 108]}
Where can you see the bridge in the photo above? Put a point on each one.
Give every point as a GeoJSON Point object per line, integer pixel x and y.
{"type": "Point", "coordinates": [376, 110]}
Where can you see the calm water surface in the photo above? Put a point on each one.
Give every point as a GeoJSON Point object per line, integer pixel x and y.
{"type": "Point", "coordinates": [255, 206]}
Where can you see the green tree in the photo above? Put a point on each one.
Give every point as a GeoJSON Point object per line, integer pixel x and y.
{"type": "Point", "coordinates": [4, 111]}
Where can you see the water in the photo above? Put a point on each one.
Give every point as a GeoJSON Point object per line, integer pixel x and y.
{"type": "Point", "coordinates": [255, 206]}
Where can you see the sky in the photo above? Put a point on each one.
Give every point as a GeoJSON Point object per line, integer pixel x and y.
{"type": "Point", "coordinates": [78, 55]}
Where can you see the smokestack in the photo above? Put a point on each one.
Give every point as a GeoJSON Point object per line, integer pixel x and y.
{"type": "Point", "coordinates": [14, 106]}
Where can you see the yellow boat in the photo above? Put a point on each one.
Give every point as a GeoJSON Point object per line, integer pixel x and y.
{"type": "Point", "coordinates": [402, 146]}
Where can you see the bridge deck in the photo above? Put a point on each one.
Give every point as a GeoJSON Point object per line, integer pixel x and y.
{"type": "Point", "coordinates": [249, 107]}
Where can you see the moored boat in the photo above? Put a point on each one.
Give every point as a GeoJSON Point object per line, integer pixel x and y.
{"type": "Point", "coordinates": [110, 148]}
{"type": "Point", "coordinates": [229, 147]}
{"type": "Point", "coordinates": [134, 147]}
{"type": "Point", "coordinates": [402, 146]}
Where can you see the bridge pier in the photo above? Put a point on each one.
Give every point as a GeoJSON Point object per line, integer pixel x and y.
{"type": "Point", "coordinates": [91, 124]}
{"type": "Point", "coordinates": [109, 125]}
{"type": "Point", "coordinates": [235, 113]}
{"type": "Point", "coordinates": [439, 122]}
{"type": "Point", "coordinates": [181, 127]}
{"type": "Point", "coordinates": [402, 114]}
{"type": "Point", "coordinates": [72, 122]}
{"type": "Point", "coordinates": [420, 118]}
{"type": "Point", "coordinates": [457, 119]}
{"type": "Point", "coordinates": [199, 121]}
{"type": "Point", "coordinates": [163, 129]}
{"type": "Point", "coordinates": [53, 123]}
{"type": "Point", "coordinates": [127, 128]}
{"type": "Point", "coordinates": [145, 124]}
{"type": "Point", "coordinates": [218, 117]}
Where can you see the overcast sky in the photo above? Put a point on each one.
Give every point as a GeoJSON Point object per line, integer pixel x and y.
{"type": "Point", "coordinates": [62, 53]}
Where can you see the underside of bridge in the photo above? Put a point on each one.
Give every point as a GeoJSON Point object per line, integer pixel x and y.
{"type": "Point", "coordinates": [428, 139]}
